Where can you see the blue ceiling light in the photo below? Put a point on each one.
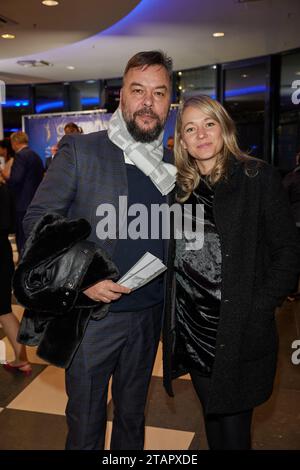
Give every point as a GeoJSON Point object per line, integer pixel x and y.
{"type": "Point", "coordinates": [250, 90]}
{"type": "Point", "coordinates": [241, 91]}
{"type": "Point", "coordinates": [42, 107]}
{"type": "Point", "coordinates": [48, 106]}
{"type": "Point", "coordinates": [17, 103]}
{"type": "Point", "coordinates": [141, 10]}
{"type": "Point", "coordinates": [90, 101]}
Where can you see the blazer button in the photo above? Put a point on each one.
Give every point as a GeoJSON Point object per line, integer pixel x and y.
{"type": "Point", "coordinates": [227, 255]}
{"type": "Point", "coordinates": [67, 293]}
{"type": "Point", "coordinates": [64, 303]}
{"type": "Point", "coordinates": [226, 301]}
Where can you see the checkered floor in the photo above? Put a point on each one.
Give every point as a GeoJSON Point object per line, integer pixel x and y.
{"type": "Point", "coordinates": [32, 408]}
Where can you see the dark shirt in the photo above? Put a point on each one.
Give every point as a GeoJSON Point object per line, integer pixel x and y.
{"type": "Point", "coordinates": [198, 291]}
{"type": "Point", "coordinates": [140, 190]}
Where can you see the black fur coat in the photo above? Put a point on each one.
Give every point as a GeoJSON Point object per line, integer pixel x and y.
{"type": "Point", "coordinates": [57, 265]}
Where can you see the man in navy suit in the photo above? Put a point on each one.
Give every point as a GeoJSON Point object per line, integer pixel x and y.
{"type": "Point", "coordinates": [91, 171]}
{"type": "Point", "coordinates": [26, 174]}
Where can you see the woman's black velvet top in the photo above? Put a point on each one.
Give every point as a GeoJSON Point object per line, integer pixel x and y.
{"type": "Point", "coordinates": [198, 290]}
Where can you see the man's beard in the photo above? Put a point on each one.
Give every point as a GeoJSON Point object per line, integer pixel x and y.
{"type": "Point", "coordinates": [143, 135]}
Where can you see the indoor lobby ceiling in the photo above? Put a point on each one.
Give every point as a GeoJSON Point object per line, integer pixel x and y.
{"type": "Point", "coordinates": [96, 37]}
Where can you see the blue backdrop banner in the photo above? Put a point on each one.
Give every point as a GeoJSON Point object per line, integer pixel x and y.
{"type": "Point", "coordinates": [46, 130]}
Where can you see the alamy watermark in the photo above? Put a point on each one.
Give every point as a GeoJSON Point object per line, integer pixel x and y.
{"type": "Point", "coordinates": [161, 221]}
{"type": "Point", "coordinates": [2, 92]}
{"type": "Point", "coordinates": [296, 354]}
{"type": "Point", "coordinates": [295, 358]}
{"type": "Point", "coordinates": [296, 93]}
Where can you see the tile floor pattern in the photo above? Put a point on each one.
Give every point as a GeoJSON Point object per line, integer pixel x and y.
{"type": "Point", "coordinates": [32, 408]}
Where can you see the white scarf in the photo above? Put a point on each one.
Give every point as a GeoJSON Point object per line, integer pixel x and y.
{"type": "Point", "coordinates": [147, 157]}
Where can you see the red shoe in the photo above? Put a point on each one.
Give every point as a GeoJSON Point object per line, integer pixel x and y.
{"type": "Point", "coordinates": [24, 368]}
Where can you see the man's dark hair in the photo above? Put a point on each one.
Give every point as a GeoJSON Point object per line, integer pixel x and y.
{"type": "Point", "coordinates": [147, 58]}
{"type": "Point", "coordinates": [5, 144]}
{"type": "Point", "coordinates": [72, 128]}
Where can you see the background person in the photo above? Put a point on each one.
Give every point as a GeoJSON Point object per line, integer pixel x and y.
{"type": "Point", "coordinates": [7, 154]}
{"type": "Point", "coordinates": [53, 152]}
{"type": "Point", "coordinates": [9, 322]}
{"type": "Point", "coordinates": [26, 174]}
{"type": "Point", "coordinates": [170, 143]}
{"type": "Point", "coordinates": [72, 128]}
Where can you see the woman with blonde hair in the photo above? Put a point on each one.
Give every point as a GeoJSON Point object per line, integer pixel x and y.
{"type": "Point", "coordinates": [219, 322]}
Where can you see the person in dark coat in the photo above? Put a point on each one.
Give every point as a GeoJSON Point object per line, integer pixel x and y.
{"type": "Point", "coordinates": [26, 174]}
{"type": "Point", "coordinates": [8, 320]}
{"type": "Point", "coordinates": [219, 322]}
{"type": "Point", "coordinates": [89, 173]}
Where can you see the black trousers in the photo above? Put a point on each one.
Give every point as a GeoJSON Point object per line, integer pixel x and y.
{"type": "Point", "coordinates": [223, 432]}
{"type": "Point", "coordinates": [122, 345]}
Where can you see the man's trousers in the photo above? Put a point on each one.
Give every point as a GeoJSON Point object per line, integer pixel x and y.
{"type": "Point", "coordinates": [122, 345]}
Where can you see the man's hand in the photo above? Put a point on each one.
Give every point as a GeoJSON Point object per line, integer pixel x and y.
{"type": "Point", "coordinates": [106, 291]}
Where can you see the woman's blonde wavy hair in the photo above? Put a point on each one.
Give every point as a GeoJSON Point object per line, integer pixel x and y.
{"type": "Point", "coordinates": [188, 176]}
